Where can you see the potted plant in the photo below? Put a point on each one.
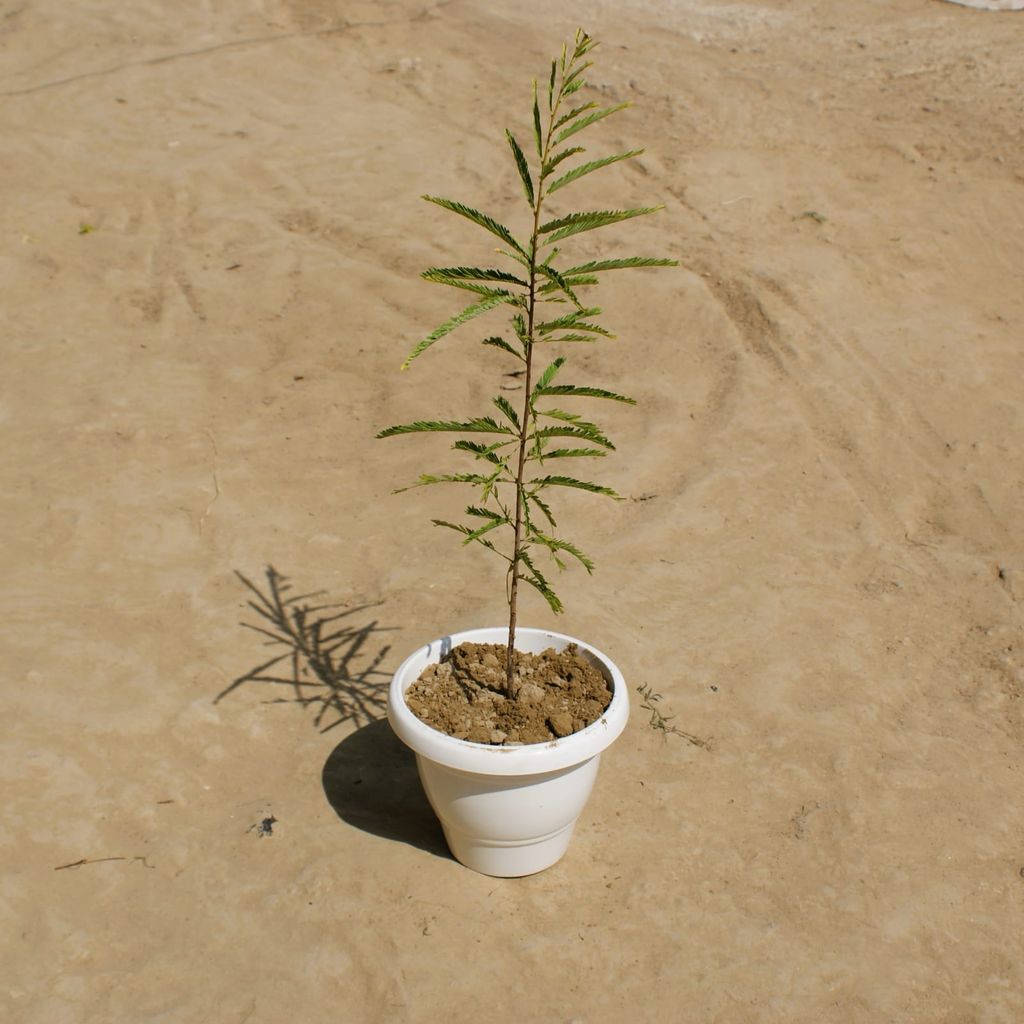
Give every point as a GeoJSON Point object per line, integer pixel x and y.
{"type": "Point", "coordinates": [508, 723]}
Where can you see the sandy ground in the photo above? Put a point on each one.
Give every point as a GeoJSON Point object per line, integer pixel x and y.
{"type": "Point", "coordinates": [211, 235]}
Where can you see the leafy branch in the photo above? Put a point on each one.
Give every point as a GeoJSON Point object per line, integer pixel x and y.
{"type": "Point", "coordinates": [511, 480]}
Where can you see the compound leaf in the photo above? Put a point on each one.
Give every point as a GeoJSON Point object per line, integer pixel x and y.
{"type": "Point", "coordinates": [548, 376]}
{"type": "Point", "coordinates": [501, 343]}
{"type": "Point", "coordinates": [585, 122]}
{"type": "Point", "coordinates": [522, 166]}
{"type": "Point", "coordinates": [551, 163]}
{"type": "Point", "coordinates": [479, 424]}
{"type": "Point", "coordinates": [559, 282]}
{"type": "Point", "coordinates": [469, 313]}
{"type": "Point", "coordinates": [506, 407]}
{"type": "Point", "coordinates": [585, 433]}
{"type": "Point", "coordinates": [536, 580]}
{"type": "Point", "coordinates": [553, 544]}
{"type": "Point", "coordinates": [568, 320]}
{"type": "Point", "coordinates": [449, 275]}
{"type": "Point", "coordinates": [543, 506]}
{"type": "Point", "coordinates": [587, 168]}
{"type": "Point", "coordinates": [621, 264]}
{"type": "Point", "coordinates": [481, 451]}
{"type": "Point", "coordinates": [573, 453]}
{"type": "Point", "coordinates": [478, 218]}
{"type": "Point", "coordinates": [575, 112]}
{"type": "Point", "coordinates": [581, 391]}
{"type": "Point", "coordinates": [574, 223]}
{"type": "Point", "coordinates": [538, 135]}
{"type": "Point", "coordinates": [568, 481]}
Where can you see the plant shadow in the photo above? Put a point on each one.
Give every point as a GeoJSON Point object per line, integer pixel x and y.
{"type": "Point", "coordinates": [320, 660]}
{"type": "Point", "coordinates": [370, 778]}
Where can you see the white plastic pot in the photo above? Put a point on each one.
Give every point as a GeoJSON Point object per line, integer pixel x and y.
{"type": "Point", "coordinates": [507, 811]}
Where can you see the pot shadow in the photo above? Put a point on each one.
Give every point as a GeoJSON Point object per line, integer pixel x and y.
{"type": "Point", "coordinates": [371, 781]}
{"type": "Point", "coordinates": [370, 778]}
{"type": "Point", "coordinates": [320, 655]}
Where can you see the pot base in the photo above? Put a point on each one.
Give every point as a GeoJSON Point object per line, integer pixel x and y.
{"type": "Point", "coordinates": [508, 826]}
{"type": "Point", "coordinates": [508, 860]}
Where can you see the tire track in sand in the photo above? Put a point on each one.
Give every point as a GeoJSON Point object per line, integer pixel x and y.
{"type": "Point", "coordinates": [806, 359]}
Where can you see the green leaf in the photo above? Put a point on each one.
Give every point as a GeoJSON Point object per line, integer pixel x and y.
{"type": "Point", "coordinates": [479, 425]}
{"type": "Point", "coordinates": [553, 544]}
{"type": "Point", "coordinates": [621, 264]}
{"type": "Point", "coordinates": [449, 275]}
{"type": "Point", "coordinates": [547, 376]}
{"type": "Point", "coordinates": [536, 580]}
{"type": "Point", "coordinates": [574, 282]}
{"type": "Point", "coordinates": [543, 506]}
{"type": "Point", "coordinates": [566, 118]}
{"type": "Point", "coordinates": [527, 528]}
{"type": "Point", "coordinates": [486, 528]}
{"type": "Point", "coordinates": [567, 417]}
{"type": "Point", "coordinates": [519, 324]}
{"type": "Point", "coordinates": [485, 513]}
{"type": "Point", "coordinates": [469, 313]}
{"type": "Point", "coordinates": [593, 165]}
{"type": "Point", "coordinates": [502, 344]}
{"type": "Point", "coordinates": [480, 289]}
{"type": "Point", "coordinates": [580, 391]}
{"type": "Point", "coordinates": [457, 527]}
{"type": "Point", "coordinates": [518, 257]}
{"type": "Point", "coordinates": [556, 339]}
{"type": "Point", "coordinates": [478, 218]}
{"type": "Point", "coordinates": [522, 165]}
{"type": "Point", "coordinates": [537, 134]}
{"type": "Point", "coordinates": [482, 451]}
{"type": "Point", "coordinates": [573, 453]}
{"type": "Point", "coordinates": [574, 223]}
{"type": "Point", "coordinates": [574, 81]}
{"type": "Point", "coordinates": [584, 44]}
{"type": "Point", "coordinates": [557, 279]}
{"type": "Point", "coordinates": [470, 535]}
{"type": "Point", "coordinates": [553, 162]}
{"type": "Point", "coordinates": [504, 405]}
{"type": "Point", "coordinates": [584, 433]}
{"type": "Point", "coordinates": [569, 320]}
{"type": "Point", "coordinates": [551, 87]}
{"type": "Point", "coordinates": [577, 325]}
{"type": "Point", "coordinates": [586, 122]}
{"type": "Point", "coordinates": [568, 481]}
{"type": "Point", "coordinates": [425, 479]}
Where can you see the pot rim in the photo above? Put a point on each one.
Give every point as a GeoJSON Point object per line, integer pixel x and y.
{"type": "Point", "coordinates": [485, 759]}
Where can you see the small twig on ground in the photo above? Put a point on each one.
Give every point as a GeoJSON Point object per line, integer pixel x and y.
{"type": "Point", "coordinates": [101, 860]}
{"type": "Point", "coordinates": [660, 722]}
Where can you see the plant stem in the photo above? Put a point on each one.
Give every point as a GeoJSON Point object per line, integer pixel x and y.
{"type": "Point", "coordinates": [510, 660]}
{"type": "Point", "coordinates": [513, 593]}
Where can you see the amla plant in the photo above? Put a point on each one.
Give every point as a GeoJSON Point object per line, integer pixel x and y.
{"type": "Point", "coordinates": [518, 453]}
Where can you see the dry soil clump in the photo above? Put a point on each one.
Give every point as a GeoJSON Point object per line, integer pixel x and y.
{"type": "Point", "coordinates": [553, 694]}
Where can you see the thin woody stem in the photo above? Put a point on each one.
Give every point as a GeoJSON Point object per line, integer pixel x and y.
{"type": "Point", "coordinates": [525, 420]}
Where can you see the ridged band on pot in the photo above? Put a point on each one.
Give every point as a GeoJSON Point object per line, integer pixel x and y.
{"type": "Point", "coordinates": [484, 759]}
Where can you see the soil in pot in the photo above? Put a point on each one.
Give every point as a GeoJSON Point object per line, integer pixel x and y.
{"type": "Point", "coordinates": [555, 694]}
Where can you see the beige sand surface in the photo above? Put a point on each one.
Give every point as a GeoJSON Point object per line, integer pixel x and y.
{"type": "Point", "coordinates": [820, 564]}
